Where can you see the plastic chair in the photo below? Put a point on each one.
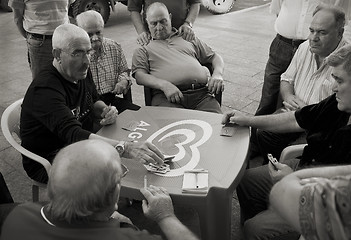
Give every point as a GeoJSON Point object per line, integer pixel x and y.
{"type": "Point", "coordinates": [10, 124]}
{"type": "Point", "coordinates": [148, 91]}
{"type": "Point", "coordinates": [292, 151]}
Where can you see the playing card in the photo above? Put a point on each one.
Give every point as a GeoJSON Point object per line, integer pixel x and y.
{"type": "Point", "coordinates": [228, 130]}
{"type": "Point", "coordinates": [164, 168]}
{"type": "Point", "coordinates": [168, 158]}
{"type": "Point", "coordinates": [131, 126]}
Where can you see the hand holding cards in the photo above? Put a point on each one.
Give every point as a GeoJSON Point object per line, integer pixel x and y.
{"type": "Point", "coordinates": [162, 169]}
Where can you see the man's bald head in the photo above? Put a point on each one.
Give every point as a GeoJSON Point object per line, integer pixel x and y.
{"type": "Point", "coordinates": [67, 33]}
{"type": "Point", "coordinates": [84, 179]}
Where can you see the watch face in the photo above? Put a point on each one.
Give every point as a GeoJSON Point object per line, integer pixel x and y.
{"type": "Point", "coordinates": [120, 148]}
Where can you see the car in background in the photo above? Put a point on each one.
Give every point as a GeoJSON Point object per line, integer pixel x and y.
{"type": "Point", "coordinates": [105, 6]}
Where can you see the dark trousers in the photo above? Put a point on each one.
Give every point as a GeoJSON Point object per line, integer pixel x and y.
{"type": "Point", "coordinates": [259, 221]}
{"type": "Point", "coordinates": [120, 103]}
{"type": "Point", "coordinates": [280, 56]}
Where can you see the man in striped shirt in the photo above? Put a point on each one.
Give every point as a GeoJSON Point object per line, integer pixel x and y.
{"type": "Point", "coordinates": [108, 64]}
{"type": "Point", "coordinates": [36, 21]}
{"type": "Point", "coordinates": [308, 79]}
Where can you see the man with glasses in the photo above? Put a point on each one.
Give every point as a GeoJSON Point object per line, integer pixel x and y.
{"type": "Point", "coordinates": [83, 204]}
{"type": "Point", "coordinates": [60, 107]}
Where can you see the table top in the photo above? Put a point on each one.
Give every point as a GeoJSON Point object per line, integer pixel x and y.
{"type": "Point", "coordinates": [192, 136]}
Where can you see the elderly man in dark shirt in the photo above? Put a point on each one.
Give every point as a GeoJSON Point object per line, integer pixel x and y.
{"type": "Point", "coordinates": [59, 107]}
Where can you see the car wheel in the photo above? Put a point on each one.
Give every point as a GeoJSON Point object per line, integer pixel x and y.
{"type": "Point", "coordinates": [4, 5]}
{"type": "Point", "coordinates": [101, 6]}
{"type": "Point", "coordinates": [218, 6]}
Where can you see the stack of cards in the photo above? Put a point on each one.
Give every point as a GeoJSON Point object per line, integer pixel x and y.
{"type": "Point", "coordinates": [228, 129]}
{"type": "Point", "coordinates": [162, 169]}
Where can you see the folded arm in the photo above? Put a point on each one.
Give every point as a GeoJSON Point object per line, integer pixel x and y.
{"type": "Point", "coordinates": [290, 100]}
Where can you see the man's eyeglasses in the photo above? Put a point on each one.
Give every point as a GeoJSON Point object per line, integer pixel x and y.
{"type": "Point", "coordinates": [80, 53]}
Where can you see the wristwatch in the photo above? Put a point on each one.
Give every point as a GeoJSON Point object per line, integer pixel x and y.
{"type": "Point", "coordinates": [189, 23]}
{"type": "Point", "coordinates": [120, 147]}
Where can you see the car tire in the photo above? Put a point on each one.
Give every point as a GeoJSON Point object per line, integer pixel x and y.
{"type": "Point", "coordinates": [5, 6]}
{"type": "Point", "coordinates": [218, 6]}
{"type": "Point", "coordinates": [101, 6]}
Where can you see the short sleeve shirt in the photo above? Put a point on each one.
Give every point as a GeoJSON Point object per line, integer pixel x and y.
{"type": "Point", "coordinates": [328, 136]}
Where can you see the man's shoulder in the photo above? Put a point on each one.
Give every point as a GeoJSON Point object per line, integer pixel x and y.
{"type": "Point", "coordinates": [109, 41]}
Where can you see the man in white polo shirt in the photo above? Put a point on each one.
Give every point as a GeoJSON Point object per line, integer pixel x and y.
{"type": "Point", "coordinates": [36, 20]}
{"type": "Point", "coordinates": [292, 27]}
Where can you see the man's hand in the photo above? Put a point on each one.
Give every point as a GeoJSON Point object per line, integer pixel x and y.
{"type": "Point", "coordinates": [158, 204]}
{"type": "Point", "coordinates": [109, 115]}
{"type": "Point", "coordinates": [144, 38]}
{"type": "Point", "coordinates": [173, 94]}
{"type": "Point", "coordinates": [121, 87]}
{"type": "Point", "coordinates": [186, 32]}
{"type": "Point", "coordinates": [144, 152]}
{"type": "Point", "coordinates": [121, 218]}
{"type": "Point", "coordinates": [293, 103]}
{"type": "Point", "coordinates": [215, 85]}
{"type": "Point", "coordinates": [282, 171]}
{"type": "Point", "coordinates": [236, 117]}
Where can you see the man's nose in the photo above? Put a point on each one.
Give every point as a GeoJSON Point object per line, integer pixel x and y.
{"type": "Point", "coordinates": [335, 87]}
{"type": "Point", "coordinates": [94, 37]}
{"type": "Point", "coordinates": [313, 37]}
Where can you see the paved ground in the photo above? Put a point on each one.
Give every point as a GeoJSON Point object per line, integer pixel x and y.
{"type": "Point", "coordinates": [241, 37]}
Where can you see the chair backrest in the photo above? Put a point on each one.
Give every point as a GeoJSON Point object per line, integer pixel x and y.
{"type": "Point", "coordinates": [10, 124]}
{"type": "Point", "coordinates": [291, 152]}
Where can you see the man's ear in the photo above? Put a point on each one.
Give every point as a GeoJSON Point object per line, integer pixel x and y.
{"type": "Point", "coordinates": [57, 54]}
{"type": "Point", "coordinates": [170, 16]}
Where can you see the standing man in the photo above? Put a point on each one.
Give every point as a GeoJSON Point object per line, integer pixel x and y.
{"type": "Point", "coordinates": [184, 13]}
{"type": "Point", "coordinates": [108, 64]}
{"type": "Point", "coordinates": [36, 21]}
{"type": "Point", "coordinates": [292, 27]}
{"type": "Point", "coordinates": [60, 106]}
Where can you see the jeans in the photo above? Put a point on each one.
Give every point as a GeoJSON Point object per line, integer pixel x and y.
{"type": "Point", "coordinates": [39, 53]}
{"type": "Point", "coordinates": [280, 56]}
{"type": "Point", "coordinates": [253, 194]}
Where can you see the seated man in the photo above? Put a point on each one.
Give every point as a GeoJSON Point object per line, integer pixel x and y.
{"type": "Point", "coordinates": [172, 66]}
{"type": "Point", "coordinates": [59, 107]}
{"type": "Point", "coordinates": [108, 64]}
{"type": "Point", "coordinates": [311, 199]}
{"type": "Point", "coordinates": [183, 12]}
{"type": "Point", "coordinates": [84, 186]}
{"type": "Point", "coordinates": [328, 142]}
{"type": "Point", "coordinates": [308, 79]}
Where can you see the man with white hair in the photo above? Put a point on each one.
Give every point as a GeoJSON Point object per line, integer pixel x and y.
{"type": "Point", "coordinates": [108, 64]}
{"type": "Point", "coordinates": [84, 186]}
{"type": "Point", "coordinates": [60, 106]}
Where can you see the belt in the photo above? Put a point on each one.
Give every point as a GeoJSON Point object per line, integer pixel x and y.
{"type": "Point", "coordinates": [40, 36]}
{"type": "Point", "coordinates": [191, 86]}
{"type": "Point", "coordinates": [292, 42]}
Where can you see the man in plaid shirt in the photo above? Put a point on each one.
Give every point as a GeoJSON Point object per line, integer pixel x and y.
{"type": "Point", "coordinates": [108, 64]}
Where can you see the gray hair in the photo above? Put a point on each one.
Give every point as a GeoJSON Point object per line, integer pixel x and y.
{"type": "Point", "coordinates": [338, 13]}
{"type": "Point", "coordinates": [342, 56]}
{"type": "Point", "coordinates": [83, 180]}
{"type": "Point", "coordinates": [66, 33]}
{"type": "Point", "coordinates": [155, 5]}
{"type": "Point", "coordinates": [89, 16]}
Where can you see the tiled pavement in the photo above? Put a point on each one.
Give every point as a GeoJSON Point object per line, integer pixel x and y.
{"type": "Point", "coordinates": [242, 38]}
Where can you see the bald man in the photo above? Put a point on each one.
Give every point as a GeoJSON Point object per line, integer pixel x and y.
{"type": "Point", "coordinates": [83, 188]}
{"type": "Point", "coordinates": [60, 107]}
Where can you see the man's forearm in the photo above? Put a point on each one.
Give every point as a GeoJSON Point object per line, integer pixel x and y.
{"type": "Point", "coordinates": [137, 22]}
{"type": "Point", "coordinates": [218, 65]}
{"type": "Point", "coordinates": [283, 122]}
{"type": "Point", "coordinates": [145, 79]}
{"type": "Point", "coordinates": [174, 229]}
{"type": "Point", "coordinates": [18, 19]}
{"type": "Point", "coordinates": [286, 89]}
{"type": "Point", "coordinates": [193, 12]}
